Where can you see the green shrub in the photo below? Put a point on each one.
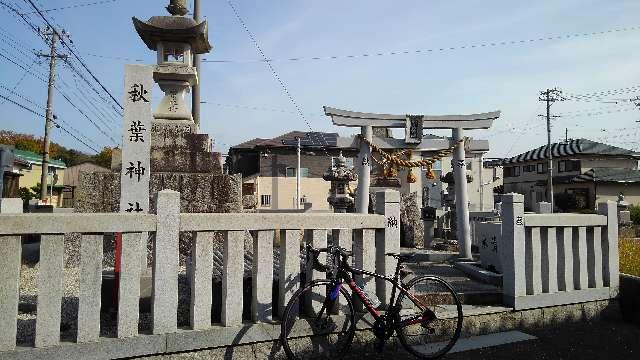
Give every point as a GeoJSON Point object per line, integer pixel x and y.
{"type": "Point", "coordinates": [635, 214]}
{"type": "Point", "coordinates": [566, 202]}
{"type": "Point", "coordinates": [630, 256]}
{"type": "Point", "coordinates": [586, 211]}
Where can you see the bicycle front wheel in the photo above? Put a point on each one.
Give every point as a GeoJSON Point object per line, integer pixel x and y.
{"type": "Point", "coordinates": [430, 321]}
{"type": "Point", "coordinates": [318, 322]}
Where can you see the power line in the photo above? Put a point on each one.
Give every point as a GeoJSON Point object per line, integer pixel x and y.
{"type": "Point", "coordinates": [79, 74]}
{"type": "Point", "coordinates": [64, 95]}
{"type": "Point", "coordinates": [597, 113]}
{"type": "Point", "coordinates": [256, 108]}
{"type": "Point", "coordinates": [46, 40]}
{"type": "Point", "coordinates": [114, 57]}
{"type": "Point", "coordinates": [71, 50]}
{"type": "Point", "coordinates": [24, 74]}
{"type": "Point", "coordinates": [86, 93]}
{"type": "Point", "coordinates": [73, 6]}
{"type": "Point", "coordinates": [43, 116]}
{"type": "Point", "coordinates": [24, 19]}
{"type": "Point", "coordinates": [274, 72]}
{"type": "Point", "coordinates": [487, 44]}
{"type": "Point", "coordinates": [32, 102]}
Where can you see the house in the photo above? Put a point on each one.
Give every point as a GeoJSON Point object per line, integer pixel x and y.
{"type": "Point", "coordinates": [9, 179]}
{"type": "Point", "coordinates": [29, 165]}
{"type": "Point", "coordinates": [585, 172]}
{"type": "Point", "coordinates": [72, 180]}
{"type": "Point", "coordinates": [268, 168]}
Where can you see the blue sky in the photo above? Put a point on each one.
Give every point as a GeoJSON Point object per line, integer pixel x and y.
{"type": "Point", "coordinates": [506, 78]}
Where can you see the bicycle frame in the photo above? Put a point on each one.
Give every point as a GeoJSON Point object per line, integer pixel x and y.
{"type": "Point", "coordinates": [345, 271]}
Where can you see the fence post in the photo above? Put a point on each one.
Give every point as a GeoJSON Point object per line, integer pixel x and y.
{"type": "Point", "coordinates": [10, 254]}
{"type": "Point", "coordinates": [610, 255]}
{"type": "Point", "coordinates": [543, 207]}
{"type": "Point", "coordinates": [513, 248]}
{"type": "Point", "coordinates": [164, 297]}
{"type": "Point", "coordinates": [387, 240]}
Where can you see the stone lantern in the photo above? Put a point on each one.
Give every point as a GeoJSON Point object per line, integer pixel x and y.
{"type": "Point", "coordinates": [340, 176]}
{"type": "Point", "coordinates": [175, 38]}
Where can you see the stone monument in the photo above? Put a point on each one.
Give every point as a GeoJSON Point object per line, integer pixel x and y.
{"type": "Point", "coordinates": [180, 158]}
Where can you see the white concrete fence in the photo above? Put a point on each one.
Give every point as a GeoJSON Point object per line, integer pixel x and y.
{"type": "Point", "coordinates": [370, 236]}
{"type": "Point", "coordinates": [555, 259]}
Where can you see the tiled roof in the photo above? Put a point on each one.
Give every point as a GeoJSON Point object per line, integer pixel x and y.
{"type": "Point", "coordinates": [602, 175]}
{"type": "Point", "coordinates": [570, 148]}
{"type": "Point", "coordinates": [36, 158]}
{"type": "Point", "coordinates": [308, 139]}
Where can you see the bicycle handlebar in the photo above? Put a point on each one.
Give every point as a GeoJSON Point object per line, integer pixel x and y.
{"type": "Point", "coordinates": [317, 265]}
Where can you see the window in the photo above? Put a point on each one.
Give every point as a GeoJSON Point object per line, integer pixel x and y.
{"type": "Point", "coordinates": [349, 162]}
{"type": "Point", "coordinates": [529, 168]}
{"type": "Point", "coordinates": [568, 165]}
{"type": "Point", "coordinates": [265, 200]}
{"type": "Point", "coordinates": [303, 200]}
{"type": "Point", "coordinates": [508, 172]}
{"type": "Point", "coordinates": [516, 171]}
{"type": "Point", "coordinates": [437, 165]}
{"type": "Point", "coordinates": [248, 189]}
{"type": "Point", "coordinates": [541, 167]}
{"type": "Point", "coordinates": [469, 164]}
{"type": "Point", "coordinates": [291, 172]}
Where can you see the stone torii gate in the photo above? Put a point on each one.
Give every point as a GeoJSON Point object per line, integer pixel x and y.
{"type": "Point", "coordinates": [414, 126]}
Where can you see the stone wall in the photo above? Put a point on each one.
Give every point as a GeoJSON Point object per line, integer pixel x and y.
{"type": "Point", "coordinates": [199, 193]}
{"type": "Point", "coordinates": [412, 227]}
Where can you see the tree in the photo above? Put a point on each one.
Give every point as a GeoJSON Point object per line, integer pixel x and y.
{"type": "Point", "coordinates": [31, 143]}
{"type": "Point", "coordinates": [104, 157]}
{"type": "Point", "coordinates": [26, 194]}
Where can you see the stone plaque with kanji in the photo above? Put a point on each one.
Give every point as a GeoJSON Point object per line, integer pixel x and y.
{"type": "Point", "coordinates": [136, 139]}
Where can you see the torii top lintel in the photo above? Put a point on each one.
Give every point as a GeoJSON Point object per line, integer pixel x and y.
{"type": "Point", "coordinates": [357, 119]}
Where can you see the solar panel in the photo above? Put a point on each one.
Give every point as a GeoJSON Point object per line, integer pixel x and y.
{"type": "Point", "coordinates": [314, 139]}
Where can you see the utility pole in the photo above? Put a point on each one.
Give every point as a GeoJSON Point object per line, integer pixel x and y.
{"type": "Point", "coordinates": [298, 176]}
{"type": "Point", "coordinates": [195, 90]}
{"type": "Point", "coordinates": [52, 34]}
{"type": "Point", "coordinates": [550, 96]}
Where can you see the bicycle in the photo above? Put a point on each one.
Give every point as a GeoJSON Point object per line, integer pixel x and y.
{"type": "Point", "coordinates": [319, 320]}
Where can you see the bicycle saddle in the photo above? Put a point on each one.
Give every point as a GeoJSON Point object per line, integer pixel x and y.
{"type": "Point", "coordinates": [401, 257]}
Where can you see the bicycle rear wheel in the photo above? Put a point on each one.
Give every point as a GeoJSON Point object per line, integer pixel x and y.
{"type": "Point", "coordinates": [317, 325]}
{"type": "Point", "coordinates": [430, 321]}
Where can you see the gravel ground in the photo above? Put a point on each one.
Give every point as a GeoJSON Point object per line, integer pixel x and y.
{"type": "Point", "coordinates": [583, 341]}
{"type": "Point", "coordinates": [606, 339]}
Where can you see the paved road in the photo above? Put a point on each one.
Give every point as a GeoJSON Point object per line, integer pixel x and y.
{"type": "Point", "coordinates": [597, 340]}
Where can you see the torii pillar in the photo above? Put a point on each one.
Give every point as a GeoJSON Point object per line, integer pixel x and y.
{"type": "Point", "coordinates": [414, 126]}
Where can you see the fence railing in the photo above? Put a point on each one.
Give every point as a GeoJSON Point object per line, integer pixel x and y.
{"type": "Point", "coordinates": [554, 259]}
{"type": "Point", "coordinates": [370, 237]}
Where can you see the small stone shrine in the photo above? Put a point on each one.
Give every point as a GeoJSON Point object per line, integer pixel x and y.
{"type": "Point", "coordinates": [180, 158]}
{"type": "Point", "coordinates": [340, 176]}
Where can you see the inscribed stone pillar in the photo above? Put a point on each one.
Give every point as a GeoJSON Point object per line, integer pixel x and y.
{"type": "Point", "coordinates": [513, 248]}
{"type": "Point", "coordinates": [462, 197]}
{"type": "Point", "coordinates": [364, 176]}
{"type": "Point", "coordinates": [136, 143]}
{"type": "Point", "coordinates": [387, 240]}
